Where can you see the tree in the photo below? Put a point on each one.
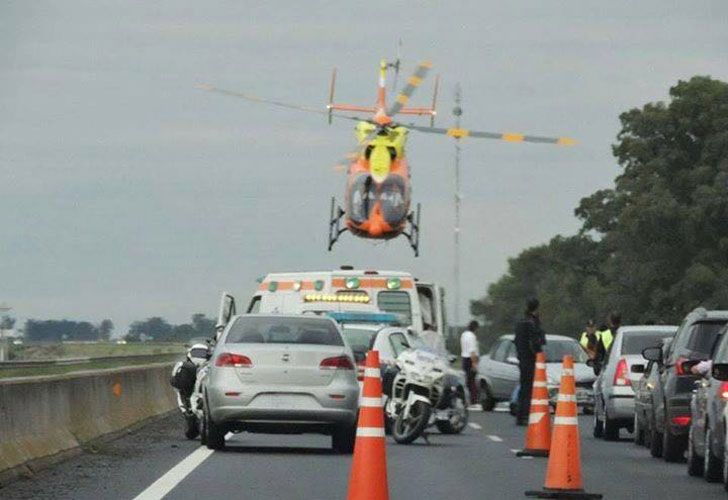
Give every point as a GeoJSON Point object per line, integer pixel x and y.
{"type": "Point", "coordinates": [7, 322]}
{"type": "Point", "coordinates": [105, 328]}
{"type": "Point", "coordinates": [155, 328]}
{"type": "Point", "coordinates": [656, 244]}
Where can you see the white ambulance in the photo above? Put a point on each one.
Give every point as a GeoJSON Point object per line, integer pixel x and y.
{"type": "Point", "coordinates": [346, 289]}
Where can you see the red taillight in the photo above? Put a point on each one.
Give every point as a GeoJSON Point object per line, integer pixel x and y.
{"type": "Point", "coordinates": [681, 421]}
{"type": "Point", "coordinates": [679, 370]}
{"type": "Point", "coordinates": [236, 360]}
{"type": "Point", "coordinates": [723, 391]}
{"type": "Point", "coordinates": [621, 374]}
{"type": "Point", "coordinates": [337, 363]}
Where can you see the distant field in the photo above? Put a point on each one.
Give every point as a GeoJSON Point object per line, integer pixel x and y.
{"type": "Point", "coordinates": [100, 349]}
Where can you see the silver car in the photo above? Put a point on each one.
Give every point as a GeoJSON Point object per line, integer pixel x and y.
{"type": "Point", "coordinates": [613, 393]}
{"type": "Point", "coordinates": [498, 372]}
{"type": "Point", "coordinates": [283, 375]}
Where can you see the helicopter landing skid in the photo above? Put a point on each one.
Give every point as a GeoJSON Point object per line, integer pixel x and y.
{"type": "Point", "coordinates": [413, 236]}
{"type": "Point", "coordinates": [335, 229]}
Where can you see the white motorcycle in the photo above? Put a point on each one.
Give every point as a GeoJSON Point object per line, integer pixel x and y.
{"type": "Point", "coordinates": [420, 392]}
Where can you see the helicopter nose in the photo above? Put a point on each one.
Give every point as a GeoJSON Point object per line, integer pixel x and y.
{"type": "Point", "coordinates": [377, 225]}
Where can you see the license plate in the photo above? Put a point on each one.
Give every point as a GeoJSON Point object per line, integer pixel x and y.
{"type": "Point", "coordinates": [283, 401]}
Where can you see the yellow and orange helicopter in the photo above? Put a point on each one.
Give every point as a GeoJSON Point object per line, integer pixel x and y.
{"type": "Point", "coordinates": [378, 189]}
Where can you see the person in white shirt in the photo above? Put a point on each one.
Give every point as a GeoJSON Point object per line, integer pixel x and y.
{"type": "Point", "coordinates": [470, 355]}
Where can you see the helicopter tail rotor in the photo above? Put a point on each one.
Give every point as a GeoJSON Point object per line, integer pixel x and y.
{"type": "Point", "coordinates": [332, 86]}
{"type": "Point", "coordinates": [433, 108]}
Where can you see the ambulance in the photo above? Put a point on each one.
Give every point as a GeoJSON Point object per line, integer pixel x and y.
{"type": "Point", "coordinates": [346, 289]}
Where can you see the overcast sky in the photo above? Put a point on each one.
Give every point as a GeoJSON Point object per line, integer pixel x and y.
{"type": "Point", "coordinates": [126, 193]}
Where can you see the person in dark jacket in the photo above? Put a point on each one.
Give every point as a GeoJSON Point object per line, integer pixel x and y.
{"type": "Point", "coordinates": [530, 339]}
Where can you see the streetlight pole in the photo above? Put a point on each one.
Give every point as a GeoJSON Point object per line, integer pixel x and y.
{"type": "Point", "coordinates": [3, 309]}
{"type": "Point", "coordinates": [457, 112]}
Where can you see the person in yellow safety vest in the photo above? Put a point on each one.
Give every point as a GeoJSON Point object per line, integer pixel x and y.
{"type": "Point", "coordinates": [589, 339]}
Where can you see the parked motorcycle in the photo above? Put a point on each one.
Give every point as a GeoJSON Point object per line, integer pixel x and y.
{"type": "Point", "coordinates": [184, 378]}
{"type": "Point", "coordinates": [421, 391]}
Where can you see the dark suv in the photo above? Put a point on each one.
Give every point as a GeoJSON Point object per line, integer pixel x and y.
{"type": "Point", "coordinates": [694, 340]}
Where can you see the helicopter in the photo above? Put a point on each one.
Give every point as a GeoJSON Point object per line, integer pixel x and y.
{"type": "Point", "coordinates": [378, 188]}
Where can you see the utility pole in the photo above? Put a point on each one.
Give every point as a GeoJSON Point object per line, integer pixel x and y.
{"type": "Point", "coordinates": [4, 308]}
{"type": "Point", "coordinates": [457, 112]}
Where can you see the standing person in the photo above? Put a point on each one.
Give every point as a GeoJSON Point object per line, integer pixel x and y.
{"type": "Point", "coordinates": [589, 339]}
{"type": "Point", "coordinates": [470, 355]}
{"type": "Point", "coordinates": [529, 340]}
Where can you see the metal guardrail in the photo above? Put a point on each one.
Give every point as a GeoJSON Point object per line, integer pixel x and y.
{"type": "Point", "coordinates": [30, 363]}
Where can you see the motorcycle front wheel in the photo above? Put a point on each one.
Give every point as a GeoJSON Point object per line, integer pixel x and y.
{"type": "Point", "coordinates": [406, 431]}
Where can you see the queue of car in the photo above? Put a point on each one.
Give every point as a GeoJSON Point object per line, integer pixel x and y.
{"type": "Point", "coordinates": [669, 387]}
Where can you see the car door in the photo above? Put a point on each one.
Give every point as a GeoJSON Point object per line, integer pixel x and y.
{"type": "Point", "coordinates": [225, 312]}
{"type": "Point", "coordinates": [503, 375]}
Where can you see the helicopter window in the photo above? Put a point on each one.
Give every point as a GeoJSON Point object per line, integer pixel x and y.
{"type": "Point", "coordinates": [361, 198]}
{"type": "Point", "coordinates": [394, 203]}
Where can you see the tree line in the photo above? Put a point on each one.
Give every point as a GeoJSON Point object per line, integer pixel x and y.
{"type": "Point", "coordinates": [655, 245]}
{"type": "Point", "coordinates": [155, 328]}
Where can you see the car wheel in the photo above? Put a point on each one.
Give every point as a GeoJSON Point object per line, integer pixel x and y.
{"type": "Point", "coordinates": [215, 436]}
{"type": "Point", "coordinates": [712, 465]}
{"type": "Point", "coordinates": [695, 464]}
{"type": "Point", "coordinates": [639, 433]}
{"type": "Point", "coordinates": [673, 448]}
{"type": "Point", "coordinates": [725, 466]}
{"type": "Point", "coordinates": [611, 429]}
{"type": "Point", "coordinates": [598, 426]}
{"type": "Point", "coordinates": [343, 439]}
{"type": "Point", "coordinates": [487, 402]}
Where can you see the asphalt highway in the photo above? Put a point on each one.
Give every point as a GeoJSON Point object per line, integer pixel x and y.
{"type": "Point", "coordinates": [480, 463]}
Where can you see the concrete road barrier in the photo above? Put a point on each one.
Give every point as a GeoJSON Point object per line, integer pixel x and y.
{"type": "Point", "coordinates": [42, 418]}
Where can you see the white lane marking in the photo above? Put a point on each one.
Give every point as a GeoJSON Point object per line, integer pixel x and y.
{"type": "Point", "coordinates": [475, 426]}
{"type": "Point", "coordinates": [159, 488]}
{"type": "Point", "coordinates": [475, 408]}
{"type": "Point", "coordinates": [495, 438]}
{"type": "Point", "coordinates": [513, 450]}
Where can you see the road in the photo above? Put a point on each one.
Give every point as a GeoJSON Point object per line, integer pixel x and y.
{"type": "Point", "coordinates": [480, 463]}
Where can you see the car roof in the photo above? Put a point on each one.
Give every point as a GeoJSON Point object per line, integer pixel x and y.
{"type": "Point", "coordinates": [510, 336]}
{"type": "Point", "coordinates": [286, 316]}
{"type": "Point", "coordinates": [702, 314]}
{"type": "Point", "coordinates": [648, 329]}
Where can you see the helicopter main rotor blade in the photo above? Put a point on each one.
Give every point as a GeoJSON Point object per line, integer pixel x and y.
{"type": "Point", "coordinates": [413, 82]}
{"type": "Point", "coordinates": [254, 98]}
{"type": "Point", "coordinates": [459, 133]}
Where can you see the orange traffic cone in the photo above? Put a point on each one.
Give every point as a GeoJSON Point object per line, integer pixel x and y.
{"type": "Point", "coordinates": [368, 480]}
{"type": "Point", "coordinates": [563, 474]}
{"type": "Point", "coordinates": [538, 436]}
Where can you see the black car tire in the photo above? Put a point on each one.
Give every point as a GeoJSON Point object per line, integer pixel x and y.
{"type": "Point", "coordinates": [695, 463]}
{"type": "Point", "coordinates": [611, 429]}
{"type": "Point", "coordinates": [487, 401]}
{"type": "Point", "coordinates": [639, 432]}
{"type": "Point", "coordinates": [655, 443]}
{"type": "Point", "coordinates": [598, 427]}
{"type": "Point", "coordinates": [214, 435]}
{"type": "Point", "coordinates": [343, 439]}
{"type": "Point", "coordinates": [673, 447]}
{"type": "Point", "coordinates": [725, 467]}
{"type": "Point", "coordinates": [712, 465]}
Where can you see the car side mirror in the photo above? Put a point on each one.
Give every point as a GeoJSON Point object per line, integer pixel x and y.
{"type": "Point", "coordinates": [652, 354]}
{"type": "Point", "coordinates": [720, 371]}
{"type": "Point", "coordinates": [688, 365]}
{"type": "Point", "coordinates": [637, 368]}
{"type": "Point", "coordinates": [512, 360]}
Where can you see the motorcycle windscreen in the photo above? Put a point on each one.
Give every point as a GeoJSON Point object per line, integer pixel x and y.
{"type": "Point", "coordinates": [362, 198]}
{"type": "Point", "coordinates": [393, 200]}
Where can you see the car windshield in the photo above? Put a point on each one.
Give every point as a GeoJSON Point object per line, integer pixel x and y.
{"type": "Point", "coordinates": [359, 339]}
{"type": "Point", "coordinates": [557, 349]}
{"type": "Point", "coordinates": [283, 330]}
{"type": "Point", "coordinates": [703, 336]}
{"type": "Point", "coordinates": [635, 343]}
